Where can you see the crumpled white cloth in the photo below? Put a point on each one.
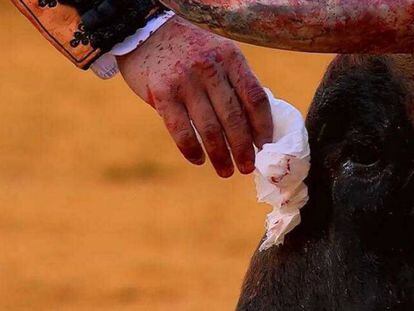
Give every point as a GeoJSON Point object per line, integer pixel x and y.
{"type": "Point", "coordinates": [281, 167]}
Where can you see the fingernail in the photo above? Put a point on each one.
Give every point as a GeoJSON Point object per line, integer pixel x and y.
{"type": "Point", "coordinates": [226, 173]}
{"type": "Point", "coordinates": [261, 142]}
{"type": "Point", "coordinates": [198, 161]}
{"type": "Point", "coordinates": [247, 168]}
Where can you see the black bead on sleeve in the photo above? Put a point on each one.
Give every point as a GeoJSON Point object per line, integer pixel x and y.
{"type": "Point", "coordinates": [108, 22]}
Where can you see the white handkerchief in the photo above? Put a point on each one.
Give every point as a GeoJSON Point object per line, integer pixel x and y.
{"type": "Point", "coordinates": [281, 168]}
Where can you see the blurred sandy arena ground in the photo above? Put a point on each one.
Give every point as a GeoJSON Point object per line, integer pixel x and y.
{"type": "Point", "coordinates": [98, 209]}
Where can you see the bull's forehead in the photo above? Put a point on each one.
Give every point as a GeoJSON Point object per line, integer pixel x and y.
{"type": "Point", "coordinates": [397, 68]}
{"type": "Point", "coordinates": [404, 69]}
{"type": "Point", "coordinates": [366, 94]}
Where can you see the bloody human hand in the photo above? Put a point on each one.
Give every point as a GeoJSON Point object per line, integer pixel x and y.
{"type": "Point", "coordinates": [190, 75]}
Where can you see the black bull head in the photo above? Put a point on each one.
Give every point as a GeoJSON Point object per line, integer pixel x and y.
{"type": "Point", "coordinates": [355, 247]}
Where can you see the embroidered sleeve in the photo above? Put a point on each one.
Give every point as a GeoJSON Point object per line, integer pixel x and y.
{"type": "Point", "coordinates": [83, 30]}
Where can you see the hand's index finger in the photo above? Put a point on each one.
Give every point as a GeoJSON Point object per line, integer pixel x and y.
{"type": "Point", "coordinates": [254, 100]}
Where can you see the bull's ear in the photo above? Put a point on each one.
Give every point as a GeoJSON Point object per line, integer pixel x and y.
{"type": "Point", "coordinates": [60, 25]}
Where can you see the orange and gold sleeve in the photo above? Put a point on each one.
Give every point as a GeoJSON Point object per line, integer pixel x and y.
{"type": "Point", "coordinates": [58, 23]}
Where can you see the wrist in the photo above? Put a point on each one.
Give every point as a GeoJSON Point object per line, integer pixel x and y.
{"type": "Point", "coordinates": [106, 66]}
{"type": "Point", "coordinates": [141, 35]}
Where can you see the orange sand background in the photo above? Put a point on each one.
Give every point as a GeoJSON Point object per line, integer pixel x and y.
{"type": "Point", "coordinates": [98, 211]}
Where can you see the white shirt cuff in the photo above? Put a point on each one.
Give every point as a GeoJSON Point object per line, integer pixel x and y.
{"type": "Point", "coordinates": [106, 66]}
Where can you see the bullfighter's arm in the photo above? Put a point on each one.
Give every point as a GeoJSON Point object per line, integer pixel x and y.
{"type": "Point", "coordinates": [331, 26]}
{"type": "Point", "coordinates": [191, 77]}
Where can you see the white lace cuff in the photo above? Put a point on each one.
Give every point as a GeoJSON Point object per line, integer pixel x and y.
{"type": "Point", "coordinates": [106, 67]}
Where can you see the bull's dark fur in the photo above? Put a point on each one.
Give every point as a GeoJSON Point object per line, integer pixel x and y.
{"type": "Point", "coordinates": [354, 249]}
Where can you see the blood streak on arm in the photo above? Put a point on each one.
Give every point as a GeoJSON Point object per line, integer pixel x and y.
{"type": "Point", "coordinates": [328, 26]}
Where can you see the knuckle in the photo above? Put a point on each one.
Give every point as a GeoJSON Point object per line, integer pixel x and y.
{"type": "Point", "coordinates": [169, 92]}
{"type": "Point", "coordinates": [242, 149]}
{"type": "Point", "coordinates": [183, 74]}
{"type": "Point", "coordinates": [229, 46]}
{"type": "Point", "coordinates": [208, 55]}
{"type": "Point", "coordinates": [161, 92]}
{"type": "Point", "coordinates": [235, 119]}
{"type": "Point", "coordinates": [204, 61]}
{"type": "Point", "coordinates": [256, 97]}
{"type": "Point", "coordinates": [183, 137]}
{"type": "Point", "coordinates": [172, 124]}
{"type": "Point", "coordinates": [235, 54]}
{"type": "Point", "coordinates": [211, 133]}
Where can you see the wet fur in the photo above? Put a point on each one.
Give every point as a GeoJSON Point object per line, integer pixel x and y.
{"type": "Point", "coordinates": [354, 248]}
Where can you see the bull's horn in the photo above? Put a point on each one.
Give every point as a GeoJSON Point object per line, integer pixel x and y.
{"type": "Point", "coordinates": [332, 26]}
